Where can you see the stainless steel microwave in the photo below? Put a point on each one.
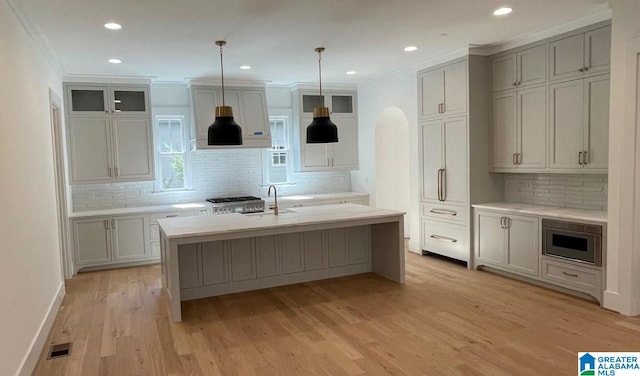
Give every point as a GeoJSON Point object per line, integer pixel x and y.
{"type": "Point", "coordinates": [573, 241]}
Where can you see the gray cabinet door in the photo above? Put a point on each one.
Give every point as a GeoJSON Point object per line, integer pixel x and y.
{"type": "Point", "coordinates": [92, 241]}
{"type": "Point", "coordinates": [215, 263]}
{"type": "Point", "coordinates": [567, 57]}
{"type": "Point", "coordinates": [243, 259]}
{"type": "Point", "coordinates": [532, 66]}
{"type": "Point", "coordinates": [292, 253]}
{"type": "Point", "coordinates": [532, 128]}
{"type": "Point", "coordinates": [596, 133]}
{"type": "Point", "coordinates": [489, 238]}
{"type": "Point", "coordinates": [503, 71]}
{"type": "Point", "coordinates": [504, 130]}
{"type": "Point", "coordinates": [314, 251]}
{"type": "Point", "coordinates": [337, 247]}
{"type": "Point", "coordinates": [455, 88]}
{"type": "Point", "coordinates": [133, 149]}
{"type": "Point", "coordinates": [204, 104]}
{"type": "Point", "coordinates": [130, 237]}
{"type": "Point", "coordinates": [597, 57]}
{"type": "Point", "coordinates": [523, 244]}
{"type": "Point", "coordinates": [431, 93]}
{"type": "Point", "coordinates": [90, 149]}
{"type": "Point", "coordinates": [359, 244]}
{"type": "Point", "coordinates": [344, 153]}
{"type": "Point", "coordinates": [455, 180]}
{"type": "Point", "coordinates": [189, 266]}
{"type": "Point", "coordinates": [566, 124]}
{"type": "Point", "coordinates": [267, 256]}
{"type": "Point", "coordinates": [431, 148]}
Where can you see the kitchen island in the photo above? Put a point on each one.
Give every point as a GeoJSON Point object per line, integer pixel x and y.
{"type": "Point", "coordinates": [222, 254]}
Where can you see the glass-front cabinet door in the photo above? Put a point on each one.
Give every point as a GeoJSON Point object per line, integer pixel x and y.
{"type": "Point", "coordinates": [341, 104]}
{"type": "Point", "coordinates": [88, 100]}
{"type": "Point", "coordinates": [311, 101]}
{"type": "Point", "coordinates": [129, 100]}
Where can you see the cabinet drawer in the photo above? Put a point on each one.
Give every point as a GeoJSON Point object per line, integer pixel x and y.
{"type": "Point", "coordinates": [444, 238]}
{"type": "Point", "coordinates": [572, 276]}
{"type": "Point", "coordinates": [446, 212]}
{"type": "Point", "coordinates": [153, 218]}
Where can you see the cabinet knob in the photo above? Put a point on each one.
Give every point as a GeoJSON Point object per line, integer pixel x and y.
{"type": "Point", "coordinates": [581, 70]}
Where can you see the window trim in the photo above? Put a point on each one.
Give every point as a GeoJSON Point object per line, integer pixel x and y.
{"type": "Point", "coordinates": [267, 153]}
{"type": "Point", "coordinates": [173, 113]}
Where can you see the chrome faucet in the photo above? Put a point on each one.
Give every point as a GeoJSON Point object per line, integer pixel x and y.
{"type": "Point", "coordinates": [275, 197]}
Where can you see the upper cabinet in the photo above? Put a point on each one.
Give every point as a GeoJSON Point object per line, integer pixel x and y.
{"type": "Point", "coordinates": [341, 155]}
{"type": "Point", "coordinates": [579, 124]}
{"type": "Point", "coordinates": [249, 106]}
{"type": "Point", "coordinates": [123, 100]}
{"type": "Point", "coordinates": [443, 91]}
{"type": "Point", "coordinates": [579, 55]}
{"type": "Point", "coordinates": [109, 133]}
{"type": "Point", "coordinates": [520, 69]}
{"type": "Point", "coordinates": [339, 104]}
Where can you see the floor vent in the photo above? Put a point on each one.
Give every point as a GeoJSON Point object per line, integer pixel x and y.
{"type": "Point", "coordinates": [59, 350]}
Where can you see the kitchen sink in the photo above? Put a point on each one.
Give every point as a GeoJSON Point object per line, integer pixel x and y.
{"type": "Point", "coordinates": [281, 212]}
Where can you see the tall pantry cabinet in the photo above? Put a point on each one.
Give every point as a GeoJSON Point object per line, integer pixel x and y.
{"type": "Point", "coordinates": [454, 132]}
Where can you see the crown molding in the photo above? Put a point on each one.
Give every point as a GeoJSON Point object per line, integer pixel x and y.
{"type": "Point", "coordinates": [38, 37]}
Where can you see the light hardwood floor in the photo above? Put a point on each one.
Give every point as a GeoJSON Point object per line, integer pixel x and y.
{"type": "Point", "coordinates": [445, 320]}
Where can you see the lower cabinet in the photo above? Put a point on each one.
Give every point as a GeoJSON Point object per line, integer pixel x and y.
{"type": "Point", "coordinates": [238, 260]}
{"type": "Point", "coordinates": [445, 238]}
{"type": "Point", "coordinates": [107, 240]}
{"type": "Point", "coordinates": [509, 242]}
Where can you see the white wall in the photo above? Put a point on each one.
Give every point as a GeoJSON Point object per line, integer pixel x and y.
{"type": "Point", "coordinates": [30, 273]}
{"type": "Point", "coordinates": [397, 90]}
{"type": "Point", "coordinates": [392, 163]}
{"type": "Point", "coordinates": [623, 254]}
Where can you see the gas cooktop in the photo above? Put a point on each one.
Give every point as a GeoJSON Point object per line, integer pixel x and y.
{"type": "Point", "coordinates": [241, 204]}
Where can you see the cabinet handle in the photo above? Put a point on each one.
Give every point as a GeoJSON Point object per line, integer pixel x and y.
{"type": "Point", "coordinates": [581, 70]}
{"type": "Point", "coordinates": [171, 215]}
{"type": "Point", "coordinates": [439, 185]}
{"type": "Point", "coordinates": [501, 222]}
{"type": "Point", "coordinates": [586, 69]}
{"type": "Point", "coordinates": [579, 157]}
{"type": "Point", "coordinates": [444, 107]}
{"type": "Point", "coordinates": [507, 222]}
{"type": "Point", "coordinates": [570, 275]}
{"type": "Point", "coordinates": [106, 224]}
{"type": "Point", "coordinates": [444, 184]}
{"type": "Point", "coordinates": [113, 223]}
{"type": "Point", "coordinates": [515, 161]}
{"type": "Point", "coordinates": [444, 238]}
{"type": "Point", "coordinates": [585, 160]}
{"type": "Point", "coordinates": [109, 171]}
{"type": "Point", "coordinates": [439, 108]}
{"type": "Point", "coordinates": [117, 171]}
{"type": "Point", "coordinates": [444, 212]}
{"type": "Point", "coordinates": [519, 158]}
{"type": "Point", "coordinates": [106, 111]}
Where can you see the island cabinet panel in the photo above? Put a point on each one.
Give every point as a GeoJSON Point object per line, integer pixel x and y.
{"type": "Point", "coordinates": [314, 255]}
{"type": "Point", "coordinates": [267, 260]}
{"type": "Point", "coordinates": [292, 249]}
{"type": "Point", "coordinates": [337, 247]}
{"type": "Point", "coordinates": [359, 245]}
{"type": "Point", "coordinates": [215, 263]}
{"type": "Point", "coordinates": [189, 266]}
{"type": "Point", "coordinates": [243, 259]}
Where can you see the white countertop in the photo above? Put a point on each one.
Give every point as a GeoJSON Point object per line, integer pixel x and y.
{"type": "Point", "coordinates": [196, 205]}
{"type": "Point", "coordinates": [185, 227]}
{"type": "Point", "coordinates": [546, 211]}
{"type": "Point", "coordinates": [140, 209]}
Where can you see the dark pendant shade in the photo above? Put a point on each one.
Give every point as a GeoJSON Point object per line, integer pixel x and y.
{"type": "Point", "coordinates": [321, 130]}
{"type": "Point", "coordinates": [224, 130]}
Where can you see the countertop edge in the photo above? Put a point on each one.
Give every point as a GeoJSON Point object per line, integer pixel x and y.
{"type": "Point", "coordinates": [546, 211]}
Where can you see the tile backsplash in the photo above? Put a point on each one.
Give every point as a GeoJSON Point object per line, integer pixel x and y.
{"type": "Point", "coordinates": [563, 190]}
{"type": "Point", "coordinates": [216, 173]}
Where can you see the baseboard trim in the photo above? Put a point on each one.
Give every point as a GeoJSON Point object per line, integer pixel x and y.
{"type": "Point", "coordinates": [35, 350]}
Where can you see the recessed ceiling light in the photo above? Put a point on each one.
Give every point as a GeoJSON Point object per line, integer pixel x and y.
{"type": "Point", "coordinates": [113, 26]}
{"type": "Point", "coordinates": [502, 11]}
{"type": "Point", "coordinates": [410, 48]}
{"type": "Point", "coordinates": [351, 72]}
{"type": "Point", "coordinates": [245, 67]}
{"type": "Point", "coordinates": [115, 61]}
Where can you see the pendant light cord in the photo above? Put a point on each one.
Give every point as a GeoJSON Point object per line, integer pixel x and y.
{"type": "Point", "coordinates": [320, 74]}
{"type": "Point", "coordinates": [222, 74]}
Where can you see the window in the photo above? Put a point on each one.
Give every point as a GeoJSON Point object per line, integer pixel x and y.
{"type": "Point", "coordinates": [172, 152]}
{"type": "Point", "coordinates": [277, 164]}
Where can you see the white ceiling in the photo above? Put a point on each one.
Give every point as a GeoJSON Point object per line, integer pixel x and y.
{"type": "Point", "coordinates": [172, 40]}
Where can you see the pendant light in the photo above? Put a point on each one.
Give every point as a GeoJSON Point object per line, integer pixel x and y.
{"type": "Point", "coordinates": [321, 130]}
{"type": "Point", "coordinates": [224, 130]}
